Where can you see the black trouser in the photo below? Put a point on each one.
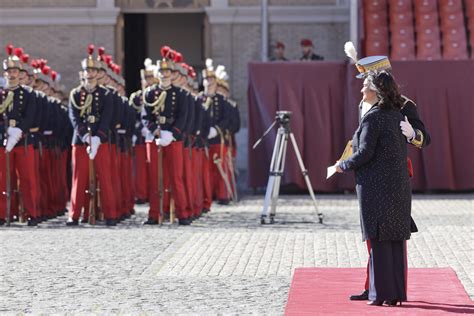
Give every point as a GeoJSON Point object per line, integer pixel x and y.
{"type": "Point", "coordinates": [387, 270]}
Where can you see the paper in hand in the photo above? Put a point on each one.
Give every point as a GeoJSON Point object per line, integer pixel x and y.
{"type": "Point", "coordinates": [331, 171]}
{"type": "Point", "coordinates": [346, 154]}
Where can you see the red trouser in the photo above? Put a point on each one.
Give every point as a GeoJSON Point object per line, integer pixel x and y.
{"type": "Point", "coordinates": [141, 172]}
{"type": "Point", "coordinates": [367, 273]}
{"type": "Point", "coordinates": [114, 173]}
{"type": "Point", "coordinates": [126, 185]}
{"type": "Point", "coordinates": [23, 163]}
{"type": "Point", "coordinates": [80, 181]}
{"type": "Point", "coordinates": [172, 178]}
{"type": "Point", "coordinates": [188, 175]}
{"type": "Point", "coordinates": [197, 202]}
{"type": "Point", "coordinates": [206, 181]}
{"type": "Point", "coordinates": [219, 190]}
{"type": "Point", "coordinates": [63, 188]}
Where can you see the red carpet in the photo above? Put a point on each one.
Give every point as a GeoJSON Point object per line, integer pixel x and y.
{"type": "Point", "coordinates": [326, 291]}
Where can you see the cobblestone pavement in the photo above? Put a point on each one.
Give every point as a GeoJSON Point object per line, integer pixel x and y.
{"type": "Point", "coordinates": [225, 263]}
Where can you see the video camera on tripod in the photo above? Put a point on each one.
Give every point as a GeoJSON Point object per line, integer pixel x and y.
{"type": "Point", "coordinates": [277, 166]}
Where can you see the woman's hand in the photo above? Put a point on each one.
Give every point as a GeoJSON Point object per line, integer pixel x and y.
{"type": "Point", "coordinates": [338, 168]}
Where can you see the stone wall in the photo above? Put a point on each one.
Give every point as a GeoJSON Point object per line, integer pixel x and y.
{"type": "Point", "coordinates": [46, 3]}
{"type": "Point", "coordinates": [63, 46]}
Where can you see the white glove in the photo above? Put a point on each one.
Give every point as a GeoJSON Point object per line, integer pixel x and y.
{"type": "Point", "coordinates": [212, 133]}
{"type": "Point", "coordinates": [166, 137]}
{"type": "Point", "coordinates": [149, 136]}
{"type": "Point", "coordinates": [145, 131]}
{"type": "Point", "coordinates": [134, 139]}
{"type": "Point", "coordinates": [407, 129]}
{"type": "Point", "coordinates": [14, 135]}
{"type": "Point", "coordinates": [94, 147]}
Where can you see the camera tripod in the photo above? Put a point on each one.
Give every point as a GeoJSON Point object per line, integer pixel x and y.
{"type": "Point", "coordinates": [277, 167]}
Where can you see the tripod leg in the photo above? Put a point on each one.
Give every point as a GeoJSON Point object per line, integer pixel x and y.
{"type": "Point", "coordinates": [280, 170]}
{"type": "Point", "coordinates": [271, 178]}
{"type": "Point", "coordinates": [306, 176]}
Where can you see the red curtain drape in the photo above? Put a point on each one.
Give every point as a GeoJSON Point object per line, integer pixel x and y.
{"type": "Point", "coordinates": [323, 98]}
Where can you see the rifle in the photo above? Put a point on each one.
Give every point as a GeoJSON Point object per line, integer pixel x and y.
{"type": "Point", "coordinates": [230, 164]}
{"type": "Point", "coordinates": [8, 190]}
{"type": "Point", "coordinates": [160, 179]}
{"type": "Point", "coordinates": [92, 183]}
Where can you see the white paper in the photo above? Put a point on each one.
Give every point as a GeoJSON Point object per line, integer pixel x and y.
{"type": "Point", "coordinates": [330, 172]}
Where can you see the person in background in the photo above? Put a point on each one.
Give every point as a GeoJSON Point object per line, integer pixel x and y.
{"type": "Point", "coordinates": [308, 53]}
{"type": "Point", "coordinates": [279, 52]}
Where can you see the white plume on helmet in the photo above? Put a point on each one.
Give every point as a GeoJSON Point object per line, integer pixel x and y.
{"type": "Point", "coordinates": [209, 64]}
{"type": "Point", "coordinates": [350, 51]}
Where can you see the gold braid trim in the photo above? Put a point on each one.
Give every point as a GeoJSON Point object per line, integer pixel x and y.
{"type": "Point", "coordinates": [415, 141]}
{"type": "Point", "coordinates": [207, 104]}
{"type": "Point", "coordinates": [159, 104]}
{"type": "Point", "coordinates": [8, 103]}
{"type": "Point", "coordinates": [132, 97]}
{"type": "Point", "coordinates": [87, 104]}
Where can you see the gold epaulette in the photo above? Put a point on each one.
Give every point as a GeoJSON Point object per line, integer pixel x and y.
{"type": "Point", "coordinates": [207, 104]}
{"type": "Point", "coordinates": [27, 88]}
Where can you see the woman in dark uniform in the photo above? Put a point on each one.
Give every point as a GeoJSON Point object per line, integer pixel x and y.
{"type": "Point", "coordinates": [379, 160]}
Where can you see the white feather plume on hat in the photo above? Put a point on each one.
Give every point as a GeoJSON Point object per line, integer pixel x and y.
{"type": "Point", "coordinates": [209, 64]}
{"type": "Point", "coordinates": [220, 70]}
{"type": "Point", "coordinates": [350, 51]}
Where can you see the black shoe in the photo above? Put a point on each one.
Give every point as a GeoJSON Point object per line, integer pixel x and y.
{"type": "Point", "coordinates": [32, 221]}
{"type": "Point", "coordinates": [73, 222]}
{"type": "Point", "coordinates": [84, 221]}
{"type": "Point", "coordinates": [184, 221]}
{"type": "Point", "coordinates": [110, 222]}
{"type": "Point", "coordinates": [205, 210]}
{"type": "Point", "coordinates": [140, 201]}
{"type": "Point", "coordinates": [2, 222]}
{"type": "Point", "coordinates": [361, 297]}
{"type": "Point", "coordinates": [150, 221]}
{"type": "Point", "coordinates": [393, 302]}
{"type": "Point", "coordinates": [132, 212]}
{"type": "Point", "coordinates": [375, 303]}
{"type": "Point", "coordinates": [223, 202]}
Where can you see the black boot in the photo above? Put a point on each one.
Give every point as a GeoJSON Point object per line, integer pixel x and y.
{"type": "Point", "coordinates": [2, 222]}
{"type": "Point", "coordinates": [72, 222]}
{"type": "Point", "coordinates": [223, 202]}
{"type": "Point", "coordinates": [33, 221]}
{"type": "Point", "coordinates": [140, 201]}
{"type": "Point", "coordinates": [364, 296]}
{"type": "Point", "coordinates": [205, 210]}
{"type": "Point", "coordinates": [184, 221]}
{"type": "Point", "coordinates": [110, 222]}
{"type": "Point", "coordinates": [150, 221]}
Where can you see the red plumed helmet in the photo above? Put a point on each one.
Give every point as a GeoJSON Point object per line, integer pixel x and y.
{"type": "Point", "coordinates": [18, 52]}
{"type": "Point", "coordinates": [178, 57]}
{"type": "Point", "coordinates": [101, 51]}
{"type": "Point", "coordinates": [306, 42]}
{"type": "Point", "coordinates": [45, 70]}
{"type": "Point", "coordinates": [117, 69]}
{"type": "Point", "coordinates": [108, 59]}
{"type": "Point", "coordinates": [54, 75]}
{"type": "Point", "coordinates": [25, 58]}
{"type": "Point", "coordinates": [90, 49]}
{"type": "Point", "coordinates": [171, 54]}
{"type": "Point", "coordinates": [9, 49]}
{"type": "Point", "coordinates": [42, 63]}
{"type": "Point", "coordinates": [165, 50]}
{"type": "Point", "coordinates": [34, 63]}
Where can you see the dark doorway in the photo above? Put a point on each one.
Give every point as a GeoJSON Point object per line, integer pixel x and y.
{"type": "Point", "coordinates": [135, 49]}
{"type": "Point", "coordinates": [145, 34]}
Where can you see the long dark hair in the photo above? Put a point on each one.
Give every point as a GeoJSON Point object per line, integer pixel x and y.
{"type": "Point", "coordinates": [387, 91]}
